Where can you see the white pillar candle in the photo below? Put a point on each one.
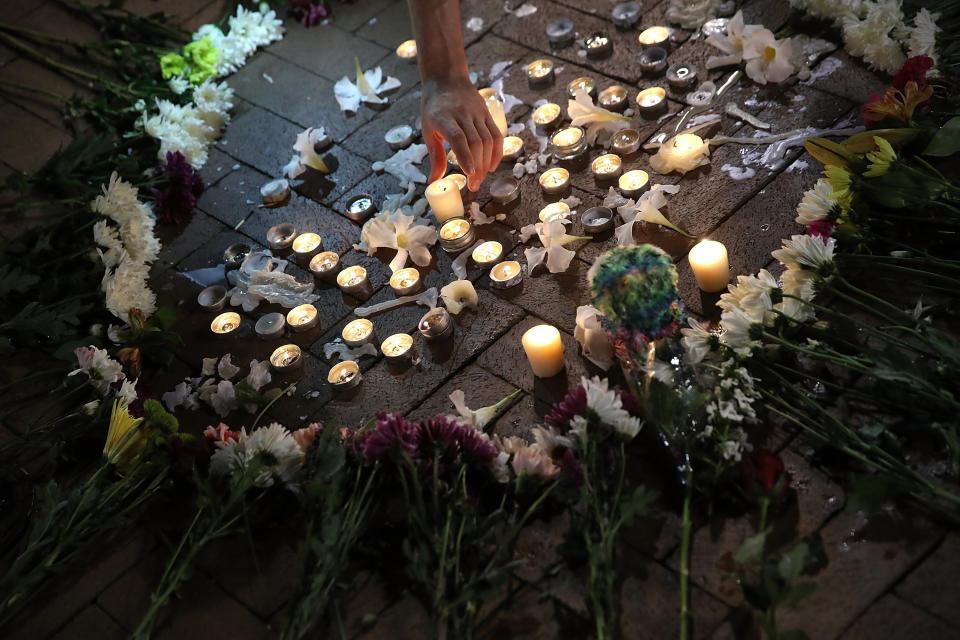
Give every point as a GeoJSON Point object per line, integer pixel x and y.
{"type": "Point", "coordinates": [544, 350]}
{"type": "Point", "coordinates": [708, 259]}
{"type": "Point", "coordinates": [495, 107]}
{"type": "Point", "coordinates": [444, 198]}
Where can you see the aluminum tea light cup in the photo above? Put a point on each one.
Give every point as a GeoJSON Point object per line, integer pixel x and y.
{"type": "Point", "coordinates": [560, 33]}
{"type": "Point", "coordinates": [512, 148]}
{"type": "Point", "coordinates": [400, 137]}
{"type": "Point", "coordinates": [234, 255]}
{"type": "Point", "coordinates": [682, 77]}
{"type": "Point", "coordinates": [274, 192]}
{"type": "Point", "coordinates": [487, 254]}
{"type": "Point", "coordinates": [568, 143]}
{"type": "Point", "coordinates": [613, 98]}
{"type": "Point", "coordinates": [303, 318]}
{"type": "Point", "coordinates": [654, 37]}
{"type": "Point", "coordinates": [626, 14]}
{"type": "Point", "coordinates": [325, 265]}
{"type": "Point", "coordinates": [540, 73]}
{"type": "Point", "coordinates": [554, 211]}
{"type": "Point", "coordinates": [506, 274]}
{"type": "Point", "coordinates": [360, 207]}
{"type": "Point", "coordinates": [653, 61]}
{"type": "Point", "coordinates": [547, 117]}
{"type": "Point", "coordinates": [281, 236]}
{"type": "Point", "coordinates": [358, 332]}
{"type": "Point", "coordinates": [226, 324]}
{"type": "Point", "coordinates": [633, 183]}
{"type": "Point", "coordinates": [597, 220]}
{"type": "Point", "coordinates": [606, 167]}
{"type": "Point", "coordinates": [270, 326]}
{"type": "Point", "coordinates": [456, 235]}
{"type": "Point", "coordinates": [353, 280]}
{"type": "Point", "coordinates": [436, 325]}
{"type": "Point", "coordinates": [306, 245]}
{"type": "Point", "coordinates": [652, 102]}
{"type": "Point", "coordinates": [406, 281]}
{"type": "Point", "coordinates": [585, 83]}
{"type": "Point", "coordinates": [555, 181]}
{"type": "Point", "coordinates": [398, 349]}
{"type": "Point", "coordinates": [504, 189]}
{"type": "Point", "coordinates": [213, 298]}
{"type": "Point", "coordinates": [286, 358]}
{"type": "Point", "coordinates": [344, 375]}
{"type": "Point", "coordinates": [599, 45]}
{"type": "Point", "coordinates": [625, 142]}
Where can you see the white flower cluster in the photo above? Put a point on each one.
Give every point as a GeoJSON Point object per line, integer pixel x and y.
{"type": "Point", "coordinates": [220, 394]}
{"type": "Point", "coordinates": [191, 128]}
{"type": "Point", "coordinates": [733, 395]}
{"type": "Point", "coordinates": [876, 30]}
{"type": "Point", "coordinates": [607, 404]}
{"type": "Point", "coordinates": [248, 31]}
{"type": "Point", "coordinates": [126, 247]}
{"type": "Point", "coordinates": [272, 452]}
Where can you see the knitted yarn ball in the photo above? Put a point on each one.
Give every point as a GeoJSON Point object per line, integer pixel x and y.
{"type": "Point", "coordinates": [636, 289]}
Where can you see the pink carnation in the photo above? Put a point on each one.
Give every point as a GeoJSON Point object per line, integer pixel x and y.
{"type": "Point", "coordinates": [533, 460]}
{"type": "Point", "coordinates": [220, 433]}
{"type": "Point", "coordinates": [307, 435]}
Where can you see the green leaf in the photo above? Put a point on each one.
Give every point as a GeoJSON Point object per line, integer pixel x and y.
{"type": "Point", "coordinates": [792, 596]}
{"type": "Point", "coordinates": [792, 562]}
{"type": "Point", "coordinates": [946, 141]}
{"type": "Point", "coordinates": [752, 549]}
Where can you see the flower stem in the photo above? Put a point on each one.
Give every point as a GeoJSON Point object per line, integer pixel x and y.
{"type": "Point", "coordinates": [685, 535]}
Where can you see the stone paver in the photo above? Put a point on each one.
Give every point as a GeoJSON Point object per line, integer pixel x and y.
{"type": "Point", "coordinates": [891, 617]}
{"type": "Point", "coordinates": [932, 586]}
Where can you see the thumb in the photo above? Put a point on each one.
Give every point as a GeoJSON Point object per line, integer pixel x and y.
{"type": "Point", "coordinates": [438, 159]}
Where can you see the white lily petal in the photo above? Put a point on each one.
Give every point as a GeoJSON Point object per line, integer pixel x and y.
{"type": "Point", "coordinates": [624, 233]}
{"type": "Point", "coordinates": [559, 259]}
{"type": "Point", "coordinates": [399, 260]}
{"type": "Point", "coordinates": [347, 94]}
{"type": "Point", "coordinates": [535, 256]}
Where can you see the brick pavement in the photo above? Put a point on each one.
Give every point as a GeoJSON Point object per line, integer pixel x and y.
{"type": "Point", "coordinates": [891, 578]}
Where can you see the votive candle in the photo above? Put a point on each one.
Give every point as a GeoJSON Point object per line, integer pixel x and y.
{"type": "Point", "coordinates": [613, 98]}
{"type": "Point", "coordinates": [303, 317]}
{"type": "Point", "coordinates": [585, 83]}
{"type": "Point", "coordinates": [344, 375]}
{"type": "Point", "coordinates": [708, 259]}
{"type": "Point", "coordinates": [633, 183]}
{"type": "Point", "coordinates": [444, 198]}
{"type": "Point", "coordinates": [654, 37]}
{"type": "Point", "coordinates": [405, 281]}
{"type": "Point", "coordinates": [487, 253]}
{"type": "Point", "coordinates": [544, 350]}
{"type": "Point", "coordinates": [547, 116]}
{"type": "Point", "coordinates": [408, 50]}
{"type": "Point", "coordinates": [225, 323]}
{"type": "Point", "coordinates": [540, 72]}
{"type": "Point", "coordinates": [357, 332]}
{"type": "Point", "coordinates": [506, 274]}
{"type": "Point", "coordinates": [352, 279]}
{"type": "Point", "coordinates": [307, 245]}
{"type": "Point", "coordinates": [325, 265]}
{"type": "Point", "coordinates": [397, 348]}
{"type": "Point", "coordinates": [555, 181]}
{"type": "Point", "coordinates": [285, 358]}
{"type": "Point", "coordinates": [607, 166]}
{"type": "Point", "coordinates": [512, 148]}
{"type": "Point", "coordinates": [652, 101]}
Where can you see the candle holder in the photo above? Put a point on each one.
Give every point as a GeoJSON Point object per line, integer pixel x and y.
{"type": "Point", "coordinates": [597, 220]}
{"type": "Point", "coordinates": [560, 33]}
{"type": "Point", "coordinates": [213, 298]}
{"type": "Point", "coordinates": [461, 181]}
{"type": "Point", "coordinates": [512, 148]}
{"type": "Point", "coordinates": [540, 73]}
{"type": "Point", "coordinates": [554, 211]}
{"type": "Point", "coordinates": [606, 167]}
{"type": "Point", "coordinates": [360, 207]}
{"type": "Point", "coordinates": [547, 117]}
{"type": "Point", "coordinates": [625, 142]}
{"type": "Point", "coordinates": [234, 255]}
{"type": "Point", "coordinates": [400, 137]}
{"type": "Point", "coordinates": [286, 358]}
{"type": "Point", "coordinates": [226, 324]}
{"type": "Point", "coordinates": [408, 50]}
{"type": "Point", "coordinates": [398, 349]}
{"type": "Point", "coordinates": [504, 189]}
{"type": "Point", "coordinates": [653, 61]}
{"type": "Point", "coordinates": [436, 325]}
{"type": "Point", "coordinates": [358, 332]}
{"type": "Point", "coordinates": [303, 318]}
{"type": "Point", "coordinates": [305, 246]}
{"type": "Point", "coordinates": [613, 98]}
{"type": "Point", "coordinates": [633, 183]}
{"type": "Point", "coordinates": [456, 235]}
{"type": "Point", "coordinates": [281, 236]}
{"type": "Point", "coordinates": [325, 265]}
{"type": "Point", "coordinates": [270, 326]}
{"type": "Point", "coordinates": [585, 83]}
{"type": "Point", "coordinates": [506, 274]}
{"type": "Point", "coordinates": [487, 254]}
{"type": "Point", "coordinates": [682, 77]}
{"type": "Point", "coordinates": [568, 143]}
{"type": "Point", "coordinates": [626, 14]}
{"type": "Point", "coordinates": [274, 192]}
{"type": "Point", "coordinates": [599, 45]}
{"type": "Point", "coordinates": [344, 375]}
{"type": "Point", "coordinates": [655, 37]}
{"type": "Point", "coordinates": [652, 102]}
{"type": "Point", "coordinates": [555, 181]}
{"type": "Point", "coordinates": [353, 280]}
{"type": "Point", "coordinates": [406, 281]}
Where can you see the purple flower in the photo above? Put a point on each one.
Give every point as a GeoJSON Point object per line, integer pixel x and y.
{"type": "Point", "coordinates": [176, 201]}
{"type": "Point", "coordinates": [571, 471]}
{"type": "Point", "coordinates": [392, 433]}
{"type": "Point", "coordinates": [574, 404]}
{"type": "Point", "coordinates": [447, 441]}
{"type": "Point", "coordinates": [822, 228]}
{"type": "Point", "coordinates": [309, 12]}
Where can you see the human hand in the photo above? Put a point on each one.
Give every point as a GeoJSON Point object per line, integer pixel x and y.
{"type": "Point", "coordinates": [452, 110]}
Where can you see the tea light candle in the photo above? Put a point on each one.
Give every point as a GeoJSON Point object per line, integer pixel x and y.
{"type": "Point", "coordinates": [568, 143]}
{"type": "Point", "coordinates": [540, 73]}
{"type": "Point", "coordinates": [397, 348]}
{"type": "Point", "coordinates": [212, 298]}
{"type": "Point", "coordinates": [546, 116]}
{"type": "Point", "coordinates": [225, 324]}
{"type": "Point", "coordinates": [325, 265]}
{"type": "Point", "coordinates": [461, 181]}
{"type": "Point", "coordinates": [504, 189]}
{"type": "Point", "coordinates": [584, 83]}
{"type": "Point", "coordinates": [506, 274]}
{"type": "Point", "coordinates": [487, 253]}
{"type": "Point", "coordinates": [352, 280]}
{"type": "Point", "coordinates": [613, 98]}
{"type": "Point", "coordinates": [654, 37]}
{"type": "Point", "coordinates": [286, 358]}
{"type": "Point", "coordinates": [344, 375]}
{"type": "Point", "coordinates": [681, 77]}
{"type": "Point", "coordinates": [495, 107]}
{"type": "Point", "coordinates": [444, 198]}
{"type": "Point", "coordinates": [597, 219]}
{"type": "Point", "coordinates": [555, 181]}
{"type": "Point", "coordinates": [606, 167]}
{"type": "Point", "coordinates": [234, 255]}
{"type": "Point", "coordinates": [626, 14]}
{"type": "Point", "coordinates": [598, 45]}
{"type": "Point", "coordinates": [357, 332]}
{"type": "Point", "coordinates": [307, 245]}
{"type": "Point", "coordinates": [685, 152]}
{"type": "Point", "coordinates": [708, 259]}
{"type": "Point", "coordinates": [405, 281]}
{"type": "Point", "coordinates": [544, 350]}
{"type": "Point", "coordinates": [281, 236]}
{"type": "Point", "coordinates": [360, 207]}
{"type": "Point", "coordinates": [275, 192]}
{"type": "Point", "coordinates": [456, 235]}
{"type": "Point", "coordinates": [633, 183]}
{"type": "Point", "coordinates": [270, 326]}
{"type": "Point", "coordinates": [399, 137]}
{"type": "Point", "coordinates": [625, 142]}
{"type": "Point", "coordinates": [560, 33]}
{"type": "Point", "coordinates": [512, 148]}
{"type": "Point", "coordinates": [408, 50]}
{"type": "Point", "coordinates": [303, 317]}
{"type": "Point", "coordinates": [652, 102]}
{"type": "Point", "coordinates": [554, 211]}
{"type": "Point", "coordinates": [653, 61]}
{"type": "Point", "coordinates": [436, 325]}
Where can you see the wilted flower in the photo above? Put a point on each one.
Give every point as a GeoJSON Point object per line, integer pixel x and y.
{"type": "Point", "coordinates": [647, 209]}
{"type": "Point", "coordinates": [732, 43]}
{"type": "Point", "coordinates": [481, 417]}
{"type": "Point", "coordinates": [595, 120]}
{"type": "Point", "coordinates": [307, 156]}
{"type": "Point", "coordinates": [369, 85]}
{"type": "Point", "coordinates": [896, 104]}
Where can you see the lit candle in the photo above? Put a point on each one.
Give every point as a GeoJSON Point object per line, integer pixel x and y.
{"type": "Point", "coordinates": [682, 153]}
{"type": "Point", "coordinates": [357, 332]}
{"type": "Point", "coordinates": [307, 245]}
{"type": "Point", "coordinates": [682, 76]}
{"type": "Point", "coordinates": [456, 235]}
{"type": "Point", "coordinates": [281, 236]}
{"type": "Point", "coordinates": [408, 50]}
{"type": "Point", "coordinates": [285, 358]}
{"type": "Point", "coordinates": [405, 281]}
{"type": "Point", "coordinates": [399, 137]}
{"type": "Point", "coordinates": [555, 181]}
{"type": "Point", "coordinates": [625, 141]}
{"type": "Point", "coordinates": [360, 206]}
{"type": "Point", "coordinates": [352, 280]}
{"type": "Point", "coordinates": [212, 298]}
{"type": "Point", "coordinates": [303, 317]}
{"type": "Point", "coordinates": [444, 198]}
{"type": "Point", "coordinates": [397, 348]}
{"type": "Point", "coordinates": [325, 265]}
{"type": "Point", "coordinates": [613, 98]}
{"type": "Point", "coordinates": [568, 143]}
{"type": "Point", "coordinates": [633, 183]}
{"type": "Point", "coordinates": [544, 350]}
{"type": "Point", "coordinates": [554, 211]}
{"type": "Point", "coordinates": [606, 167]}
{"type": "Point", "coordinates": [584, 83]}
{"type": "Point", "coordinates": [506, 274]}
{"type": "Point", "coordinates": [344, 375]}
{"type": "Point", "coordinates": [495, 107]}
{"type": "Point", "coordinates": [461, 181]}
{"type": "Point", "coordinates": [654, 37]}
{"type": "Point", "coordinates": [653, 61]}
{"type": "Point", "coordinates": [598, 45]}
{"type": "Point", "coordinates": [504, 189]}
{"type": "Point", "coordinates": [546, 116]}
{"type": "Point", "coordinates": [708, 259]}
{"type": "Point", "coordinates": [225, 323]}
{"type": "Point", "coordinates": [436, 324]}
{"type": "Point", "coordinates": [512, 147]}
{"type": "Point", "coordinates": [652, 101]}
{"type": "Point", "coordinates": [539, 73]}
{"type": "Point", "coordinates": [487, 253]}
{"type": "Point", "coordinates": [270, 326]}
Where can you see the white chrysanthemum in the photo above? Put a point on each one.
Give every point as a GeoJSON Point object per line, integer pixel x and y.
{"type": "Point", "coordinates": [799, 283]}
{"type": "Point", "coordinates": [137, 235]}
{"type": "Point", "coordinates": [805, 252]}
{"type": "Point", "coordinates": [107, 237]}
{"type": "Point", "coordinates": [128, 391]}
{"type": "Point", "coordinates": [923, 35]}
{"type": "Point", "coordinates": [816, 203]}
{"type": "Point", "coordinates": [119, 203]}
{"type": "Point", "coordinates": [884, 54]}
{"type": "Point", "coordinates": [752, 294]}
{"type": "Point", "coordinates": [697, 341]}
{"type": "Point", "coordinates": [870, 37]}
{"type": "Point", "coordinates": [796, 310]}
{"type": "Point", "coordinates": [737, 326]}
{"type": "Point", "coordinates": [271, 451]}
{"type": "Point", "coordinates": [213, 102]}
{"type": "Point", "coordinates": [126, 288]}
{"type": "Point", "coordinates": [548, 439]}
{"type": "Point", "coordinates": [101, 369]}
{"type": "Point", "coordinates": [608, 406]}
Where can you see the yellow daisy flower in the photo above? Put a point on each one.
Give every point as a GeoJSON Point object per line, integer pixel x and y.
{"type": "Point", "coordinates": [839, 179]}
{"type": "Point", "coordinates": [125, 440]}
{"type": "Point", "coordinates": [881, 159]}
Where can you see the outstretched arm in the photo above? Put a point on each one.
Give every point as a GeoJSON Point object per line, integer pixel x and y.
{"type": "Point", "coordinates": [451, 108]}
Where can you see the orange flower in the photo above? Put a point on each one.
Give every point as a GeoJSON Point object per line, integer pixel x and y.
{"type": "Point", "coordinates": [895, 104]}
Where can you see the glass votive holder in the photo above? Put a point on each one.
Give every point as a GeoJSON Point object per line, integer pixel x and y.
{"type": "Point", "coordinates": [307, 245]}
{"type": "Point", "coordinates": [626, 14]}
{"type": "Point", "coordinates": [487, 253]}
{"type": "Point", "coordinates": [555, 181]}
{"type": "Point", "coordinates": [633, 183]}
{"type": "Point", "coordinates": [235, 254]}
{"type": "Point", "coordinates": [358, 332]}
{"type": "Point", "coordinates": [585, 83]}
{"type": "Point", "coordinates": [303, 318]}
{"type": "Point", "coordinates": [344, 375]}
{"type": "Point", "coordinates": [506, 274]}
{"type": "Point", "coordinates": [504, 189]}
{"type": "Point", "coordinates": [325, 265]}
{"type": "Point", "coordinates": [270, 326]}
{"type": "Point", "coordinates": [655, 37]}
{"type": "Point", "coordinates": [568, 143]}
{"type": "Point", "coordinates": [597, 220]}
{"type": "Point", "coordinates": [406, 281]}
{"type": "Point", "coordinates": [398, 348]}
{"type": "Point", "coordinates": [652, 102]}
{"type": "Point", "coordinates": [226, 324]}
{"type": "Point", "coordinates": [613, 98]}
{"type": "Point", "coordinates": [353, 280]}
{"type": "Point", "coordinates": [213, 298]}
{"type": "Point", "coordinates": [512, 148]}
{"type": "Point", "coordinates": [360, 207]}
{"type": "Point", "coordinates": [540, 73]}
{"type": "Point", "coordinates": [625, 142]}
{"type": "Point", "coordinates": [606, 167]}
{"type": "Point", "coordinates": [560, 33]}
{"type": "Point", "coordinates": [286, 358]}
{"type": "Point", "coordinates": [599, 45]}
{"type": "Point", "coordinates": [456, 235]}
{"type": "Point", "coordinates": [436, 325]}
{"type": "Point", "coordinates": [682, 77]}
{"type": "Point", "coordinates": [554, 211]}
{"type": "Point", "coordinates": [399, 137]}
{"type": "Point", "coordinates": [547, 117]}
{"type": "Point", "coordinates": [281, 236]}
